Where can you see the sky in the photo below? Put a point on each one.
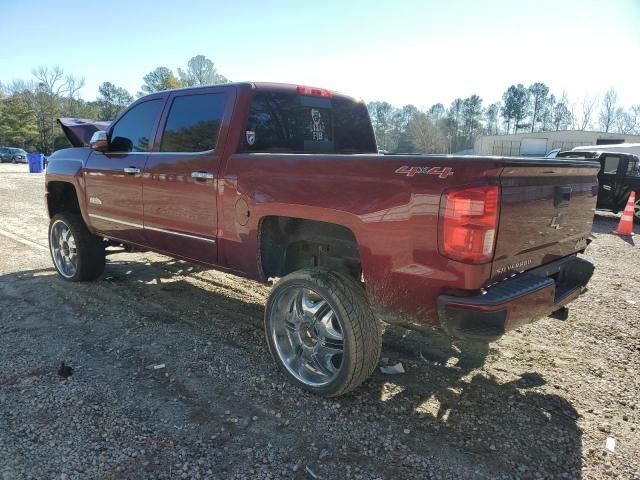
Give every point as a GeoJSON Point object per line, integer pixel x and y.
{"type": "Point", "coordinates": [418, 52]}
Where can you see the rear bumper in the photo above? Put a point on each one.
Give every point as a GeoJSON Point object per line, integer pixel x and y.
{"type": "Point", "coordinates": [519, 300]}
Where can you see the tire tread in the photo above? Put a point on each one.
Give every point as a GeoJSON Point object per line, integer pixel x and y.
{"type": "Point", "coordinates": [367, 336]}
{"type": "Point", "coordinates": [91, 249]}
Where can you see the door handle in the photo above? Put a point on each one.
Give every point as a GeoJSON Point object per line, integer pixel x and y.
{"type": "Point", "coordinates": [203, 175]}
{"type": "Point", "coordinates": [131, 170]}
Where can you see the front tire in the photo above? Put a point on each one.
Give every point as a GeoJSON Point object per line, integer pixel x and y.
{"type": "Point", "coordinates": [636, 209]}
{"type": "Point", "coordinates": [77, 254]}
{"type": "Point", "coordinates": [321, 331]}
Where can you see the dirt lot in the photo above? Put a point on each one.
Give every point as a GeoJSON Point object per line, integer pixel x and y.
{"type": "Point", "coordinates": [539, 404]}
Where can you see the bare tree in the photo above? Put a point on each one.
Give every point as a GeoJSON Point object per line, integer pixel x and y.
{"type": "Point", "coordinates": [52, 94]}
{"type": "Point", "coordinates": [634, 119]}
{"type": "Point", "coordinates": [426, 137]}
{"type": "Point", "coordinates": [50, 79]}
{"type": "Point", "coordinates": [588, 106]}
{"type": "Point", "coordinates": [608, 110]}
{"type": "Point", "coordinates": [72, 86]}
{"type": "Point", "coordinates": [17, 87]}
{"type": "Point", "coordinates": [562, 116]}
{"type": "Point", "coordinates": [381, 114]}
{"type": "Point", "coordinates": [627, 121]}
{"type": "Point", "coordinates": [573, 117]}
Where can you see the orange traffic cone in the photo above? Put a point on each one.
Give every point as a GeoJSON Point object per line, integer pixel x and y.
{"type": "Point", "coordinates": [625, 227]}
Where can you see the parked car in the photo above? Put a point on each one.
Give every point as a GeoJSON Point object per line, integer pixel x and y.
{"type": "Point", "coordinates": [13, 155]}
{"type": "Point", "coordinates": [553, 153]}
{"type": "Point", "coordinates": [273, 181]}
{"type": "Point", "coordinates": [619, 176]}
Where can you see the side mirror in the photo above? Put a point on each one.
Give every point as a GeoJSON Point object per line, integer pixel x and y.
{"type": "Point", "coordinates": [98, 141]}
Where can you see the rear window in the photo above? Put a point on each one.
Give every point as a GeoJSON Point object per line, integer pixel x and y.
{"type": "Point", "coordinates": [291, 123]}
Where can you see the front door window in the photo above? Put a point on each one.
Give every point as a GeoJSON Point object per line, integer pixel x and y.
{"type": "Point", "coordinates": [133, 131]}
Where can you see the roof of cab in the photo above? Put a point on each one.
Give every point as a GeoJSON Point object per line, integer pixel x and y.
{"type": "Point", "coordinates": [277, 86]}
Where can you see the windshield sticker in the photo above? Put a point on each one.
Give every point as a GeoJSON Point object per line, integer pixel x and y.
{"type": "Point", "coordinates": [441, 172]}
{"type": "Point", "coordinates": [251, 137]}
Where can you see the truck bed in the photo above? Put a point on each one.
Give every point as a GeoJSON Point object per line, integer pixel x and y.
{"type": "Point", "coordinates": [393, 212]}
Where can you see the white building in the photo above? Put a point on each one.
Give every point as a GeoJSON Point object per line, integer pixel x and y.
{"type": "Point", "coordinates": [538, 144]}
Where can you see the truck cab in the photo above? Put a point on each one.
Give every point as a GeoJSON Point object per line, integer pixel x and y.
{"type": "Point", "coordinates": [619, 175]}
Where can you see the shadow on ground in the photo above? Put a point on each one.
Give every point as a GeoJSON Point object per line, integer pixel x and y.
{"type": "Point", "coordinates": [453, 409]}
{"type": "Point", "coordinates": [606, 223]}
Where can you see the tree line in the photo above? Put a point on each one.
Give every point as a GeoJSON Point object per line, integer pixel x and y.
{"type": "Point", "coordinates": [532, 108]}
{"type": "Point", "coordinates": [29, 108]}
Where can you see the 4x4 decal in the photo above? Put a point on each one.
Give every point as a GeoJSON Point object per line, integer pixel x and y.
{"type": "Point", "coordinates": [441, 172]}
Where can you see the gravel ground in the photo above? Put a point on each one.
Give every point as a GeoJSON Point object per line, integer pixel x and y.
{"type": "Point", "coordinates": [540, 403]}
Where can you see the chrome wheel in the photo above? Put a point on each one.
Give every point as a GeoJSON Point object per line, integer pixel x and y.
{"type": "Point", "coordinates": [636, 210]}
{"type": "Point", "coordinates": [63, 249]}
{"type": "Point", "coordinates": [307, 335]}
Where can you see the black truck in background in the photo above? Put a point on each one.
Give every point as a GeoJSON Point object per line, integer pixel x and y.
{"type": "Point", "coordinates": [619, 176]}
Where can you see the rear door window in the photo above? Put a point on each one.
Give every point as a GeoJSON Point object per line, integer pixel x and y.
{"type": "Point", "coordinates": [611, 165]}
{"type": "Point", "coordinates": [293, 123]}
{"type": "Point", "coordinates": [193, 123]}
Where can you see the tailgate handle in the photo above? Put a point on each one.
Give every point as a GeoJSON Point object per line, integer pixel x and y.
{"type": "Point", "coordinates": [562, 196]}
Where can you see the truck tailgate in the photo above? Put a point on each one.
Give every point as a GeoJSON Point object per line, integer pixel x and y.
{"type": "Point", "coordinates": [546, 213]}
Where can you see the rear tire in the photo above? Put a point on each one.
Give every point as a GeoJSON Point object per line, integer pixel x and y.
{"type": "Point", "coordinates": [636, 209]}
{"type": "Point", "coordinates": [77, 254]}
{"type": "Point", "coordinates": [322, 332]}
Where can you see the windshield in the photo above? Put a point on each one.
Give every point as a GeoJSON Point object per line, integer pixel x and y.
{"type": "Point", "coordinates": [284, 122]}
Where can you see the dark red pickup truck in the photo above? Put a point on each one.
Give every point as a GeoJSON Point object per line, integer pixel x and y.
{"type": "Point", "coordinates": [281, 181]}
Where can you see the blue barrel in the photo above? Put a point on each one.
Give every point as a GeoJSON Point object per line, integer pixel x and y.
{"type": "Point", "coordinates": [36, 161]}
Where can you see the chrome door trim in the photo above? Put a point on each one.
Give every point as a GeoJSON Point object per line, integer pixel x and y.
{"type": "Point", "coordinates": [179, 234]}
{"type": "Point", "coordinates": [155, 229]}
{"type": "Point", "coordinates": [122, 222]}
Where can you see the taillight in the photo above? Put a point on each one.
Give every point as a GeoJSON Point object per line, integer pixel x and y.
{"type": "Point", "coordinates": [316, 92]}
{"type": "Point", "coordinates": [468, 223]}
